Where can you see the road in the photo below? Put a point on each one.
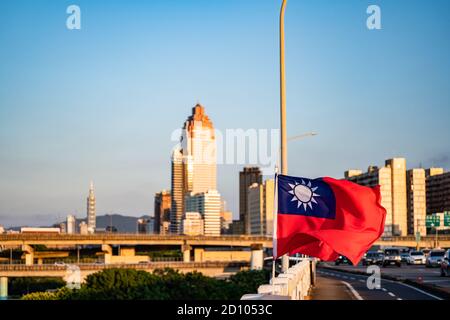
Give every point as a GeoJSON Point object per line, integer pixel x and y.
{"type": "Point", "coordinates": [418, 273]}
{"type": "Point", "coordinates": [337, 285]}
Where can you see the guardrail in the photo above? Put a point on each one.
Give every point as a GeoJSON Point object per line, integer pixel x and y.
{"type": "Point", "coordinates": [294, 284]}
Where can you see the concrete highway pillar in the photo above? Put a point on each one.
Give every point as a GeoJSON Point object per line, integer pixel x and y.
{"type": "Point", "coordinates": [3, 288]}
{"type": "Point", "coordinates": [257, 257]}
{"type": "Point", "coordinates": [29, 254]}
{"type": "Point", "coordinates": [107, 249]}
{"type": "Point", "coordinates": [186, 249]}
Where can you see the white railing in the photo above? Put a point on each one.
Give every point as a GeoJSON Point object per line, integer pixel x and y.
{"type": "Point", "coordinates": [294, 284]}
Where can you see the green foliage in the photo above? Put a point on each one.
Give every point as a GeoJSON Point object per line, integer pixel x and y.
{"type": "Point", "coordinates": [163, 284]}
{"type": "Point", "coordinates": [21, 286]}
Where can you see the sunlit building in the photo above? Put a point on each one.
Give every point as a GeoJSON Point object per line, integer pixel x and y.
{"type": "Point", "coordinates": [192, 224]}
{"type": "Point", "coordinates": [193, 164]}
{"type": "Point", "coordinates": [260, 208]}
{"type": "Point", "coordinates": [247, 177]}
{"type": "Point", "coordinates": [162, 211]}
{"type": "Point", "coordinates": [416, 201]}
{"type": "Point", "coordinates": [208, 205]}
{"type": "Point", "coordinates": [71, 224]}
{"type": "Point", "coordinates": [392, 181]}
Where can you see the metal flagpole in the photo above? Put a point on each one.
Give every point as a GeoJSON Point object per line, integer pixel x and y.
{"type": "Point", "coordinates": [274, 236]}
{"type": "Point", "coordinates": [284, 163]}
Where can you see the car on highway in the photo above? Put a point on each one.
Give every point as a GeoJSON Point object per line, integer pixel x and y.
{"type": "Point", "coordinates": [404, 256]}
{"type": "Point", "coordinates": [392, 256]}
{"type": "Point", "coordinates": [416, 257]}
{"type": "Point", "coordinates": [445, 265]}
{"type": "Point", "coordinates": [435, 257]}
{"type": "Point", "coordinates": [60, 264]}
{"type": "Point", "coordinates": [372, 257]}
{"type": "Point", "coordinates": [342, 260]}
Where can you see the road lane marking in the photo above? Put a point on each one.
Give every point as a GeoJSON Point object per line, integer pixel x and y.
{"type": "Point", "coordinates": [352, 278]}
{"type": "Point", "coordinates": [384, 289]}
{"type": "Point", "coordinates": [399, 299]}
{"type": "Point", "coordinates": [406, 285]}
{"type": "Point", "coordinates": [362, 281]}
{"type": "Point", "coordinates": [353, 291]}
{"type": "Point", "coordinates": [391, 294]}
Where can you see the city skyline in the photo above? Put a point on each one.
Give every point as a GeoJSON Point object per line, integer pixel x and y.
{"type": "Point", "coordinates": [380, 89]}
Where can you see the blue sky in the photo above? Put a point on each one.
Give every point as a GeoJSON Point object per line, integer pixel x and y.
{"type": "Point", "coordinates": [101, 103]}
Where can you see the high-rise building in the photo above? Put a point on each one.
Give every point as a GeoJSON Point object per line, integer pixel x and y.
{"type": "Point", "coordinates": [162, 211]}
{"type": "Point", "coordinates": [143, 226]}
{"type": "Point", "coordinates": [392, 181]}
{"type": "Point", "coordinates": [178, 191]}
{"type": "Point", "coordinates": [260, 208]}
{"type": "Point", "coordinates": [208, 205]}
{"type": "Point", "coordinates": [71, 224]}
{"type": "Point", "coordinates": [416, 201]}
{"type": "Point", "coordinates": [438, 191]}
{"type": "Point", "coordinates": [192, 224]}
{"type": "Point", "coordinates": [91, 218]}
{"type": "Point", "coordinates": [247, 177]}
{"type": "Point", "coordinates": [193, 163]}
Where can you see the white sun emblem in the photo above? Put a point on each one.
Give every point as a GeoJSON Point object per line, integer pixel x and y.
{"type": "Point", "coordinates": [304, 194]}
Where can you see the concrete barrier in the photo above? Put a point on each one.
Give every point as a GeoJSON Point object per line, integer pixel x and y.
{"type": "Point", "coordinates": [294, 284]}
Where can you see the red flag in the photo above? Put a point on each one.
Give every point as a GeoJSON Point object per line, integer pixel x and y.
{"type": "Point", "coordinates": [325, 218]}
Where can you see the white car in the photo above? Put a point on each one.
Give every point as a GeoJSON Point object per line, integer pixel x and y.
{"type": "Point", "coordinates": [416, 257]}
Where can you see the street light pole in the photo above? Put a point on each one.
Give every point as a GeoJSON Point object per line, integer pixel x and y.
{"type": "Point", "coordinates": [284, 162]}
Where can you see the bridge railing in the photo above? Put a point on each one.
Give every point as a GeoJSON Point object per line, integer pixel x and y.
{"type": "Point", "coordinates": [294, 284]}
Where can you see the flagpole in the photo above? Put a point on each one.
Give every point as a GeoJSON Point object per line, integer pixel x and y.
{"type": "Point", "coordinates": [274, 229]}
{"type": "Point", "coordinates": [284, 162]}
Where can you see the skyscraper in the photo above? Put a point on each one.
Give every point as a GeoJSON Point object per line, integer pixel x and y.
{"type": "Point", "coordinates": [91, 219]}
{"type": "Point", "coordinates": [247, 177]}
{"type": "Point", "coordinates": [193, 163]}
{"type": "Point", "coordinates": [178, 191]}
{"type": "Point", "coordinates": [162, 211]}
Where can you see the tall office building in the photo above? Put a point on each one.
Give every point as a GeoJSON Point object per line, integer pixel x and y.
{"type": "Point", "coordinates": [208, 205]}
{"type": "Point", "coordinates": [438, 191]}
{"type": "Point", "coordinates": [392, 181]}
{"type": "Point", "coordinates": [193, 163]}
{"type": "Point", "coordinates": [161, 211]}
{"type": "Point", "coordinates": [178, 191]}
{"type": "Point", "coordinates": [416, 201]}
{"type": "Point", "coordinates": [91, 218]}
{"type": "Point", "coordinates": [260, 208]}
{"type": "Point", "coordinates": [247, 177]}
{"type": "Point", "coordinates": [71, 224]}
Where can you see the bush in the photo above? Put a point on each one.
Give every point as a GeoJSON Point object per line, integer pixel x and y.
{"type": "Point", "coordinates": [165, 284]}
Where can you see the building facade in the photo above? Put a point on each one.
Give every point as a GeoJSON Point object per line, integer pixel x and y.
{"type": "Point", "coordinates": [192, 224]}
{"type": "Point", "coordinates": [91, 215]}
{"type": "Point", "coordinates": [392, 181]}
{"type": "Point", "coordinates": [162, 205]}
{"type": "Point", "coordinates": [247, 177]}
{"type": "Point", "coordinates": [416, 201]}
{"type": "Point", "coordinates": [438, 191]}
{"type": "Point", "coordinates": [260, 208]}
{"type": "Point", "coordinates": [208, 204]}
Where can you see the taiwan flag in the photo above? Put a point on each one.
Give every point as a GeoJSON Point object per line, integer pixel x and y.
{"type": "Point", "coordinates": [325, 218]}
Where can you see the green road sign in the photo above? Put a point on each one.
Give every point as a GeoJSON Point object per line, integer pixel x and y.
{"type": "Point", "coordinates": [447, 219]}
{"type": "Point", "coordinates": [433, 221]}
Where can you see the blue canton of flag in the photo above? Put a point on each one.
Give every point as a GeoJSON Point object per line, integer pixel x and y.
{"type": "Point", "coordinates": [306, 197]}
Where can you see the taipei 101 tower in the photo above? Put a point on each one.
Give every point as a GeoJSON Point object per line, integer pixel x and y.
{"type": "Point", "coordinates": [91, 218]}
